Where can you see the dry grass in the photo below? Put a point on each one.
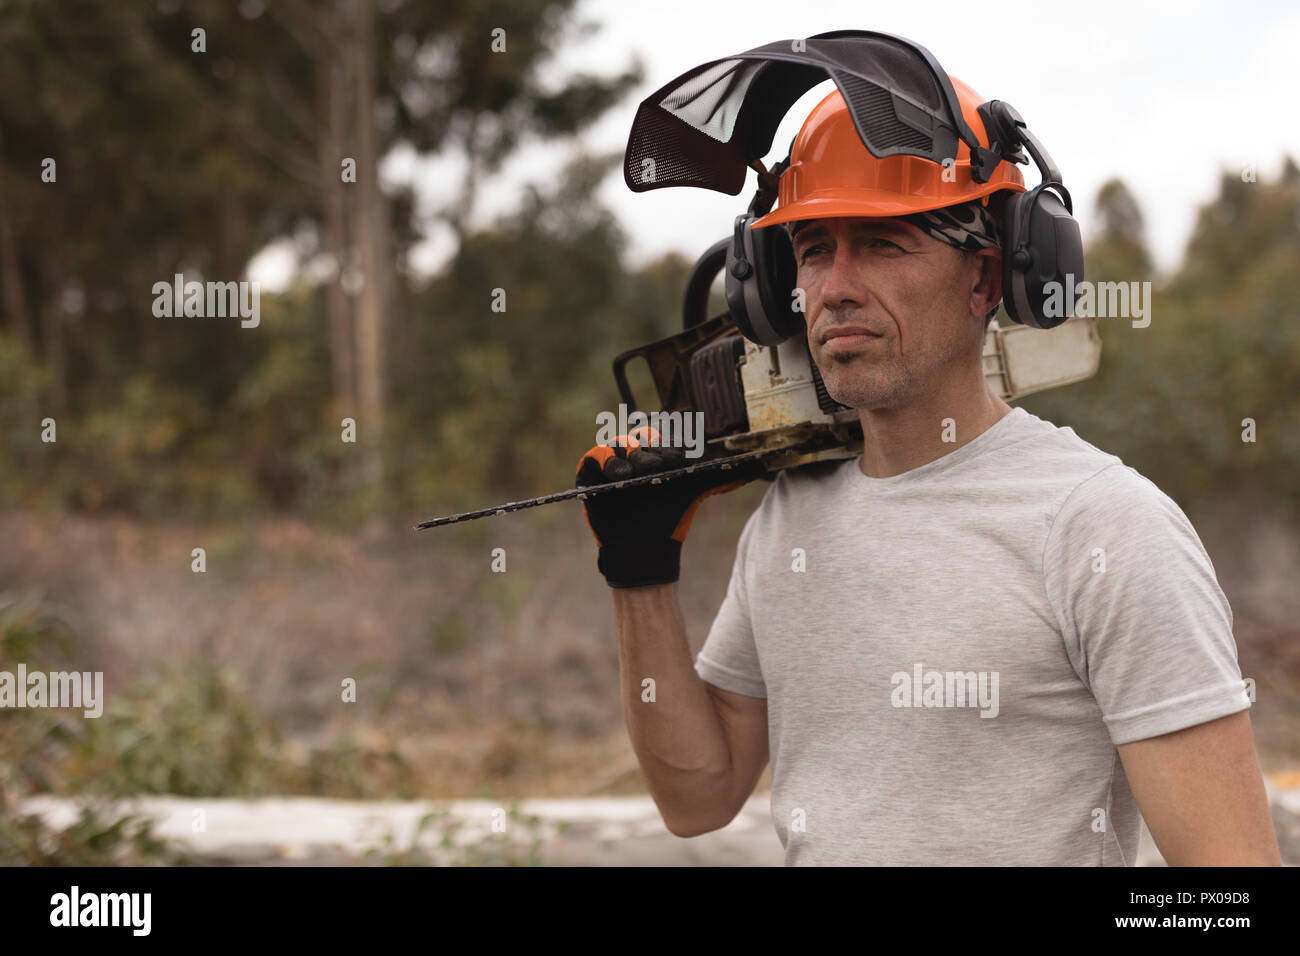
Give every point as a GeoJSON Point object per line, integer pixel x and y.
{"type": "Point", "coordinates": [486, 684]}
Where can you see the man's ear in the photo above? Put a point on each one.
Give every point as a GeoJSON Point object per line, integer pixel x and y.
{"type": "Point", "coordinates": [986, 290]}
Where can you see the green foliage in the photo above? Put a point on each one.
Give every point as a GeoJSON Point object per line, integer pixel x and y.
{"type": "Point", "coordinates": [197, 418]}
{"type": "Point", "coordinates": [97, 838]}
{"type": "Point", "coordinates": [1171, 398]}
{"type": "Point", "coordinates": [352, 768]}
{"type": "Point", "coordinates": [31, 629]}
{"type": "Point", "coordinates": [33, 633]}
{"type": "Point", "coordinates": [172, 162]}
{"type": "Point", "coordinates": [450, 849]}
{"type": "Point", "coordinates": [187, 731]}
{"type": "Point", "coordinates": [190, 732]}
{"type": "Point", "coordinates": [193, 732]}
{"type": "Point", "coordinates": [191, 735]}
{"type": "Point", "coordinates": [31, 742]}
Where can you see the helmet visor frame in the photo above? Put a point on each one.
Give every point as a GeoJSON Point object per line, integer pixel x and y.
{"type": "Point", "coordinates": [708, 126]}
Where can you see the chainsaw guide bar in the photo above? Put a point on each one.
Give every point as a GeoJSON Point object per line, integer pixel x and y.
{"type": "Point", "coordinates": [587, 491]}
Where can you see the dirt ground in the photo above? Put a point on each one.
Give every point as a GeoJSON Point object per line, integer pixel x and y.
{"type": "Point", "coordinates": [488, 678]}
{"type": "Point", "coordinates": [488, 684]}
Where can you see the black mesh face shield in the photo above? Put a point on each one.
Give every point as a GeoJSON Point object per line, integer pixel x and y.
{"type": "Point", "coordinates": [707, 127]}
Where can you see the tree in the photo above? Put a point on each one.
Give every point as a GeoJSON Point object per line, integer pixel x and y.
{"type": "Point", "coordinates": [1120, 249]}
{"type": "Point", "coordinates": [174, 159]}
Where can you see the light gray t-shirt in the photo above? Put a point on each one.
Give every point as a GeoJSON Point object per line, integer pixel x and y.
{"type": "Point", "coordinates": [951, 655]}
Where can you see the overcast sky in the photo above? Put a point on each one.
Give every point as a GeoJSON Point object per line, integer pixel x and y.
{"type": "Point", "coordinates": [1164, 95]}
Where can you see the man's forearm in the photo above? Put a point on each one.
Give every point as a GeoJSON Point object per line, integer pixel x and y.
{"type": "Point", "coordinates": [678, 737]}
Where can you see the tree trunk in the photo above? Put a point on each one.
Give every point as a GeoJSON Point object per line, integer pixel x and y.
{"type": "Point", "coordinates": [370, 240]}
{"type": "Point", "coordinates": [332, 109]}
{"type": "Point", "coordinates": [51, 311]}
{"type": "Point", "coordinates": [11, 277]}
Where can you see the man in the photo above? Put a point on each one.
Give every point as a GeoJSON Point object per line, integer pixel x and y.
{"type": "Point", "coordinates": [984, 641]}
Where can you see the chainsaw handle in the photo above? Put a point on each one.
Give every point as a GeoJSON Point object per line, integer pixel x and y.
{"type": "Point", "coordinates": [620, 377]}
{"type": "Point", "coordinates": [695, 304]}
{"type": "Point", "coordinates": [669, 365]}
{"type": "Point", "coordinates": [669, 360]}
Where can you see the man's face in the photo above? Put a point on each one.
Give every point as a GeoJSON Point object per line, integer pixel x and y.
{"type": "Point", "coordinates": [919, 301]}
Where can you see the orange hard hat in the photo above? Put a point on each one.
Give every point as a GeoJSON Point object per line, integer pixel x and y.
{"type": "Point", "coordinates": [832, 173]}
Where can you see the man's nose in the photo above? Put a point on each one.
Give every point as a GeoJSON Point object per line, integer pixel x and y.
{"type": "Point", "coordinates": [844, 280]}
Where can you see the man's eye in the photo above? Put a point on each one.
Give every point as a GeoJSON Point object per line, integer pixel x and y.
{"type": "Point", "coordinates": [880, 243]}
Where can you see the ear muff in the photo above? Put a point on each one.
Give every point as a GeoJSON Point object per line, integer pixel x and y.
{"type": "Point", "coordinates": [1041, 245]}
{"type": "Point", "coordinates": [1041, 242]}
{"type": "Point", "coordinates": [760, 282]}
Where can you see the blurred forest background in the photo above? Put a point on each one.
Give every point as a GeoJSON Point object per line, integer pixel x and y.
{"type": "Point", "coordinates": [180, 433]}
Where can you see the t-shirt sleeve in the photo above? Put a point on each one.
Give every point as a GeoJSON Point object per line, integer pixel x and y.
{"type": "Point", "coordinates": [1145, 623]}
{"type": "Point", "coordinates": [729, 657]}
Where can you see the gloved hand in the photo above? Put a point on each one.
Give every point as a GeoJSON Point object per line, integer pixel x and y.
{"type": "Point", "coordinates": [640, 530]}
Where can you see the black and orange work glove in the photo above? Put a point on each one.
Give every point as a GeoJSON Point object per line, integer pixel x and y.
{"type": "Point", "coordinates": [640, 530]}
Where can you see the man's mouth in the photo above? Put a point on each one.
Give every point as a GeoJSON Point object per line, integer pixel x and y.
{"type": "Point", "coordinates": [848, 338]}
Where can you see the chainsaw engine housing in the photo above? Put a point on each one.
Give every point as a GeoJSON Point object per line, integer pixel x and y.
{"type": "Point", "coordinates": [757, 396]}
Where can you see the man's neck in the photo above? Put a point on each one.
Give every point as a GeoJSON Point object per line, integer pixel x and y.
{"type": "Point", "coordinates": [896, 440]}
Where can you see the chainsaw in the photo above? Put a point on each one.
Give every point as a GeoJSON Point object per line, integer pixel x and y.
{"type": "Point", "coordinates": [759, 395]}
{"type": "Point", "coordinates": [769, 402]}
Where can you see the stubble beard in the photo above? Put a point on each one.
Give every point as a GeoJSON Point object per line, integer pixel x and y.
{"type": "Point", "coordinates": [860, 381]}
{"type": "Point", "coordinates": [887, 381]}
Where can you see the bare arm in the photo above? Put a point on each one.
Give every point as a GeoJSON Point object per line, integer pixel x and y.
{"type": "Point", "coordinates": [1202, 794]}
{"type": "Point", "coordinates": [702, 749]}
